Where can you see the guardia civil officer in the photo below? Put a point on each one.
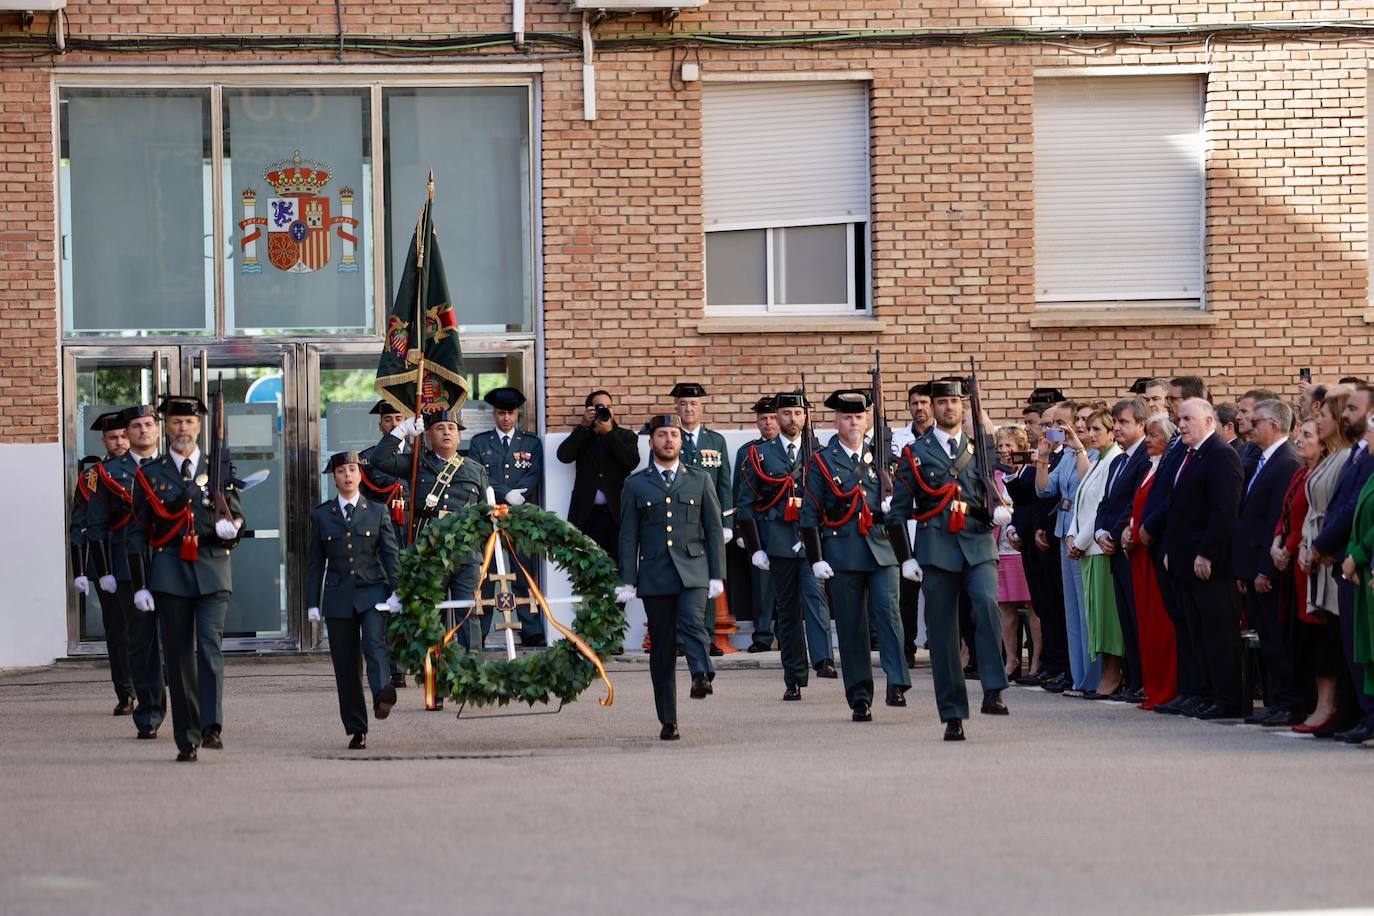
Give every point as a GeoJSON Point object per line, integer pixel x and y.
{"type": "Point", "coordinates": [381, 487]}
{"type": "Point", "coordinates": [842, 530]}
{"type": "Point", "coordinates": [704, 448]}
{"type": "Point", "coordinates": [760, 580]}
{"type": "Point", "coordinates": [672, 553]}
{"type": "Point", "coordinates": [116, 623]}
{"type": "Point", "coordinates": [109, 515]}
{"type": "Point", "coordinates": [180, 567]}
{"type": "Point", "coordinates": [352, 583]}
{"type": "Point", "coordinates": [937, 485]}
{"type": "Point", "coordinates": [514, 462]}
{"type": "Point", "coordinates": [447, 482]}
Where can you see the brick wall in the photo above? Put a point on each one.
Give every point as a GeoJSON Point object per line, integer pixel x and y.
{"type": "Point", "coordinates": [953, 218]}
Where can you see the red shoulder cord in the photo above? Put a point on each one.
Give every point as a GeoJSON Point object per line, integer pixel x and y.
{"type": "Point", "coordinates": [184, 522]}
{"type": "Point", "coordinates": [390, 497]}
{"type": "Point", "coordinates": [120, 493]}
{"type": "Point", "coordinates": [784, 487]}
{"type": "Point", "coordinates": [858, 500]}
{"type": "Point", "coordinates": [949, 493]}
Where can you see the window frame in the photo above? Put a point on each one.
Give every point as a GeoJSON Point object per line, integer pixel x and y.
{"type": "Point", "coordinates": [847, 309]}
{"type": "Point", "coordinates": [372, 79]}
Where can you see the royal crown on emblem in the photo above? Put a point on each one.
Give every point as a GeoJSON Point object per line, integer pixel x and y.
{"type": "Point", "coordinates": [297, 176]}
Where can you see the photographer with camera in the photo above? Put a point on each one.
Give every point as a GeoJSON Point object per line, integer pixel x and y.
{"type": "Point", "coordinates": [605, 453]}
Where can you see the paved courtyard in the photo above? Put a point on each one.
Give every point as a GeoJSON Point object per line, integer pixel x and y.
{"type": "Point", "coordinates": [1065, 807]}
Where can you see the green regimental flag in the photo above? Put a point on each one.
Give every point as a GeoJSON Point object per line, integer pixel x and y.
{"type": "Point", "coordinates": [422, 364]}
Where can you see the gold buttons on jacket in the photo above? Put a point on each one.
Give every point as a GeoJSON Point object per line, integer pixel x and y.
{"type": "Point", "coordinates": [670, 543]}
{"type": "Point", "coordinates": [670, 529]}
{"type": "Point", "coordinates": [670, 514]}
{"type": "Point", "coordinates": [668, 499]}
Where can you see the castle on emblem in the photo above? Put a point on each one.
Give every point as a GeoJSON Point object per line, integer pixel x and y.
{"type": "Point", "coordinates": [297, 220]}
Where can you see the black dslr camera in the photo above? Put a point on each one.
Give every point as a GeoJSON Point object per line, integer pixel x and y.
{"type": "Point", "coordinates": [603, 413]}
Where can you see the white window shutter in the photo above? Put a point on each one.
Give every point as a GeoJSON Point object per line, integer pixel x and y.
{"type": "Point", "coordinates": [1119, 190]}
{"type": "Point", "coordinates": [785, 154]}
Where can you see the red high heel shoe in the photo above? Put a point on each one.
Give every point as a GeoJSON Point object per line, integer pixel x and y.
{"type": "Point", "coordinates": [1303, 729]}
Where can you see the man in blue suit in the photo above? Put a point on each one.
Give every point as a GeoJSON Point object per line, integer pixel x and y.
{"type": "Point", "coordinates": [1113, 515]}
{"type": "Point", "coordinates": [1329, 547]}
{"type": "Point", "coordinates": [1199, 534]}
{"type": "Point", "coordinates": [1269, 423]}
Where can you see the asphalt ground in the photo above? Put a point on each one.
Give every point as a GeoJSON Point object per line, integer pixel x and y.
{"type": "Point", "coordinates": [1064, 807]}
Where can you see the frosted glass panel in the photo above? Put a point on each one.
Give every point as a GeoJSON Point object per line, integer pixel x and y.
{"type": "Point", "coordinates": [477, 142]}
{"type": "Point", "coordinates": [737, 267]}
{"type": "Point", "coordinates": [298, 210]}
{"type": "Point", "coordinates": [135, 210]}
{"type": "Point", "coordinates": [812, 265]}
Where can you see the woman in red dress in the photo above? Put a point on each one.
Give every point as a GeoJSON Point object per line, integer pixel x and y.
{"type": "Point", "coordinates": [1158, 650]}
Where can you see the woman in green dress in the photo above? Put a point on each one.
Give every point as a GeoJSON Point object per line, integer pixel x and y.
{"type": "Point", "coordinates": [1104, 627]}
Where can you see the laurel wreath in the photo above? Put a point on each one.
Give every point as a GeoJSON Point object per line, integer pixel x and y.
{"type": "Point", "coordinates": [558, 671]}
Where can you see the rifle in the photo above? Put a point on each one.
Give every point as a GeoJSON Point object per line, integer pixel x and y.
{"type": "Point", "coordinates": [218, 456]}
{"type": "Point", "coordinates": [808, 442]}
{"type": "Point", "coordinates": [991, 497]}
{"type": "Point", "coordinates": [882, 450]}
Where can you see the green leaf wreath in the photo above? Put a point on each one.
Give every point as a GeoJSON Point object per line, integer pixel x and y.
{"type": "Point", "coordinates": [560, 670]}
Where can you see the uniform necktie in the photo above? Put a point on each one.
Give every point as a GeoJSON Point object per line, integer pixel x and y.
{"type": "Point", "coordinates": [668, 476]}
{"type": "Point", "coordinates": [791, 453]}
{"type": "Point", "coordinates": [687, 436]}
{"type": "Point", "coordinates": [505, 442]}
{"type": "Point", "coordinates": [348, 511]}
{"type": "Point", "coordinates": [186, 469]}
{"type": "Point", "coordinates": [953, 447]}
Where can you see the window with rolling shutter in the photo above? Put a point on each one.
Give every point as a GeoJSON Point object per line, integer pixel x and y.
{"type": "Point", "coordinates": [786, 189]}
{"type": "Point", "coordinates": [1119, 171]}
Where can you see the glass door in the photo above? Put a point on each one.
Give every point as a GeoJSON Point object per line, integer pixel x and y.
{"type": "Point", "coordinates": [98, 380]}
{"type": "Point", "coordinates": [261, 395]}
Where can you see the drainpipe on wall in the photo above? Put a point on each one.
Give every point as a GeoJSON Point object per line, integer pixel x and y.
{"type": "Point", "coordinates": [588, 71]}
{"type": "Point", "coordinates": [517, 15]}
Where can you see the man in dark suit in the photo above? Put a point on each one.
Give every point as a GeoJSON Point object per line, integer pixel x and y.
{"type": "Point", "coordinates": [760, 580]}
{"type": "Point", "coordinates": [1113, 515]}
{"type": "Point", "coordinates": [179, 563]}
{"type": "Point", "coordinates": [672, 556]}
{"type": "Point", "coordinates": [1260, 508]}
{"type": "Point", "coordinates": [351, 582]}
{"type": "Point", "coordinates": [1245, 426]}
{"type": "Point", "coordinates": [1329, 546]}
{"type": "Point", "coordinates": [1199, 533]}
{"type": "Point", "coordinates": [605, 453]}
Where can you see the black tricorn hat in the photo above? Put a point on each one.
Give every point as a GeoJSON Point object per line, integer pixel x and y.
{"type": "Point", "coordinates": [443, 415]}
{"type": "Point", "coordinates": [1044, 396]}
{"type": "Point", "coordinates": [687, 390]}
{"type": "Point", "coordinates": [766, 404]}
{"type": "Point", "coordinates": [384, 407]}
{"type": "Point", "coordinates": [660, 421]}
{"type": "Point", "coordinates": [182, 405]}
{"type": "Point", "coordinates": [1138, 386]}
{"type": "Point", "coordinates": [947, 388]}
{"type": "Point", "coordinates": [338, 459]}
{"type": "Point", "coordinates": [791, 399]}
{"type": "Point", "coordinates": [506, 398]}
{"type": "Point", "coordinates": [129, 414]}
{"type": "Point", "coordinates": [107, 421]}
{"type": "Point", "coordinates": [849, 400]}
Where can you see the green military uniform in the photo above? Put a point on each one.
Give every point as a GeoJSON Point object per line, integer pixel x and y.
{"type": "Point", "coordinates": [706, 449]}
{"type": "Point", "coordinates": [108, 519]}
{"type": "Point", "coordinates": [760, 580]}
{"type": "Point", "coordinates": [442, 486]}
{"type": "Point", "coordinates": [671, 547]}
{"type": "Point", "coordinates": [842, 525]}
{"type": "Point", "coordinates": [513, 461]}
{"type": "Point", "coordinates": [176, 555]}
{"type": "Point", "coordinates": [391, 491]}
{"type": "Point", "coordinates": [952, 560]}
{"type": "Point", "coordinates": [352, 570]}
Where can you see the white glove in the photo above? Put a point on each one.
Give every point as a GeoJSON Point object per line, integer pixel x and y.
{"type": "Point", "coordinates": [714, 589]}
{"type": "Point", "coordinates": [911, 570]}
{"type": "Point", "coordinates": [760, 560]}
{"type": "Point", "coordinates": [887, 505]}
{"type": "Point", "coordinates": [313, 615]}
{"type": "Point", "coordinates": [227, 529]}
{"type": "Point", "coordinates": [516, 497]}
{"type": "Point", "coordinates": [82, 585]}
{"type": "Point", "coordinates": [108, 584]}
{"type": "Point", "coordinates": [822, 571]}
{"type": "Point", "coordinates": [728, 534]}
{"type": "Point", "coordinates": [1001, 516]}
{"type": "Point", "coordinates": [143, 600]}
{"type": "Point", "coordinates": [624, 594]}
{"type": "Point", "coordinates": [409, 429]}
{"type": "Point", "coordinates": [393, 604]}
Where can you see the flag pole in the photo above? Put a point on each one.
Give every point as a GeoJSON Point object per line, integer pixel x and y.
{"type": "Point", "coordinates": [421, 288]}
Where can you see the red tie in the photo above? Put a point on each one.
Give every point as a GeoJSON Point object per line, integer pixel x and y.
{"type": "Point", "coordinates": [1183, 467]}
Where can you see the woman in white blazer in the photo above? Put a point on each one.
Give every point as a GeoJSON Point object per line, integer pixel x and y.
{"type": "Point", "coordinates": [1099, 631]}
